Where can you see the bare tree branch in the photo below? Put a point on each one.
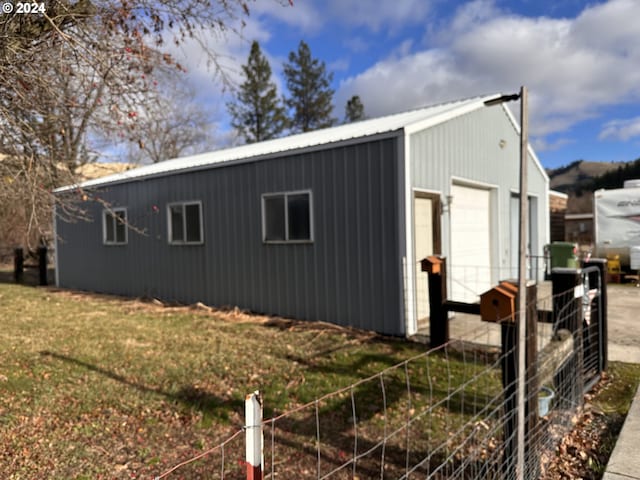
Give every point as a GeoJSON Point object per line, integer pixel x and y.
{"type": "Point", "coordinates": [83, 68]}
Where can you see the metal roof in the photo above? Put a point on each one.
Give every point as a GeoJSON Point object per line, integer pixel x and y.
{"type": "Point", "coordinates": [411, 120]}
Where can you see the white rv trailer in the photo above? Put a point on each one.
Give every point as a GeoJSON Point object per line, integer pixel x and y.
{"type": "Point", "coordinates": [617, 221]}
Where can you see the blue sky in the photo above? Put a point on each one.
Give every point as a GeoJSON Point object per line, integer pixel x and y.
{"type": "Point", "coordinates": [579, 59]}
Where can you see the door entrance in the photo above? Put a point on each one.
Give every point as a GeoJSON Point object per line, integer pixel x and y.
{"type": "Point", "coordinates": [426, 219]}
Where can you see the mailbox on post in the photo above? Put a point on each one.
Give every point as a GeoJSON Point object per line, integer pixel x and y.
{"type": "Point", "coordinates": [432, 265]}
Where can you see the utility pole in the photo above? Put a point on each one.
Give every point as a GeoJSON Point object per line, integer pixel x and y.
{"type": "Point", "coordinates": [522, 271]}
{"type": "Point", "coordinates": [522, 281]}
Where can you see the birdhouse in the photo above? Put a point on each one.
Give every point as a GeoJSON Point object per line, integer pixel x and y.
{"type": "Point", "coordinates": [432, 265]}
{"type": "Point", "coordinates": [499, 303]}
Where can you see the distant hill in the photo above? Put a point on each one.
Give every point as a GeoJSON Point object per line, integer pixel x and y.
{"type": "Point", "coordinates": [580, 178]}
{"type": "Point", "coordinates": [578, 175]}
{"type": "Point", "coordinates": [91, 171]}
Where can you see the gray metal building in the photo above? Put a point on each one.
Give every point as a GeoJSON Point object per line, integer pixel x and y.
{"type": "Point", "coordinates": [327, 225]}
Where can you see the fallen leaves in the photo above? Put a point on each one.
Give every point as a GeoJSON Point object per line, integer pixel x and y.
{"type": "Point", "coordinates": [584, 452]}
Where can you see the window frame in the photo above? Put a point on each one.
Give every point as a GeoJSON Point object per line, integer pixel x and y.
{"type": "Point", "coordinates": [110, 215]}
{"type": "Point", "coordinates": [183, 205]}
{"type": "Point", "coordinates": [285, 195]}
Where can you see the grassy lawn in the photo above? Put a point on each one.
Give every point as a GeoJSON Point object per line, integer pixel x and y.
{"type": "Point", "coordinates": [102, 387]}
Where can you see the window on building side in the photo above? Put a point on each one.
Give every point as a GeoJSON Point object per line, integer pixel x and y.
{"type": "Point", "coordinates": [286, 217]}
{"type": "Point", "coordinates": [114, 226]}
{"type": "Point", "coordinates": [185, 223]}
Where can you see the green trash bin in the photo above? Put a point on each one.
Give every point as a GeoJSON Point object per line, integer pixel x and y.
{"type": "Point", "coordinates": [563, 254]}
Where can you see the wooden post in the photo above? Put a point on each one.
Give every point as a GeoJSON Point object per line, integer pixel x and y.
{"type": "Point", "coordinates": [532, 383]}
{"type": "Point", "coordinates": [438, 313]}
{"type": "Point", "coordinates": [510, 379]}
{"type": "Point", "coordinates": [18, 265]}
{"type": "Point", "coordinates": [254, 439]}
{"type": "Point", "coordinates": [602, 318]}
{"type": "Point", "coordinates": [509, 336]}
{"type": "Point", "coordinates": [568, 290]}
{"type": "Point", "coordinates": [42, 265]}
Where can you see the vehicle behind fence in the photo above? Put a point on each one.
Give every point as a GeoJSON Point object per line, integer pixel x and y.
{"type": "Point", "coordinates": [447, 413]}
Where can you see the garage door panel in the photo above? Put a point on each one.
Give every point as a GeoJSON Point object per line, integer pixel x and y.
{"type": "Point", "coordinates": [470, 242]}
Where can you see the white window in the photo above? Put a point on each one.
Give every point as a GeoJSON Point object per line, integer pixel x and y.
{"type": "Point", "coordinates": [114, 226]}
{"type": "Point", "coordinates": [287, 217]}
{"type": "Point", "coordinates": [185, 223]}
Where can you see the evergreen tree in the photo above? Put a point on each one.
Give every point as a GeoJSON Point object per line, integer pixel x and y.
{"type": "Point", "coordinates": [354, 110]}
{"type": "Point", "coordinates": [309, 85]}
{"type": "Point", "coordinates": [258, 113]}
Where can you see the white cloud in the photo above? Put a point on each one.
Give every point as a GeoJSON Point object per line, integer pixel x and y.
{"type": "Point", "coordinates": [543, 145]}
{"type": "Point", "coordinates": [341, 64]}
{"type": "Point", "coordinates": [311, 16]}
{"type": "Point", "coordinates": [300, 14]}
{"type": "Point", "coordinates": [356, 44]}
{"type": "Point", "coordinates": [230, 50]}
{"type": "Point", "coordinates": [403, 83]}
{"type": "Point", "coordinates": [470, 15]}
{"type": "Point", "coordinates": [621, 129]}
{"type": "Point", "coordinates": [571, 67]}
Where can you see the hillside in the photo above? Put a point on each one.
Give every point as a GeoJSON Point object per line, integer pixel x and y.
{"type": "Point", "coordinates": [579, 174]}
{"type": "Point", "coordinates": [91, 171]}
{"type": "Point", "coordinates": [580, 178]}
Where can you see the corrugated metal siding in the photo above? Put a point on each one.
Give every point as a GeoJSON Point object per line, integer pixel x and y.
{"type": "Point", "coordinates": [349, 275]}
{"type": "Point", "coordinates": [468, 147]}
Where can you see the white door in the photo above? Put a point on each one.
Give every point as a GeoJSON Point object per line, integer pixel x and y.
{"type": "Point", "coordinates": [532, 233]}
{"type": "Point", "coordinates": [424, 246]}
{"type": "Point", "coordinates": [470, 259]}
{"type": "Point", "coordinates": [515, 231]}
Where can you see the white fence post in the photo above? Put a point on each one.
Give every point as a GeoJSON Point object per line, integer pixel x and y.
{"type": "Point", "coordinates": [254, 439]}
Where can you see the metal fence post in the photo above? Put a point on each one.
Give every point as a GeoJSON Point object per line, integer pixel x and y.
{"type": "Point", "coordinates": [438, 315]}
{"type": "Point", "coordinates": [42, 265]}
{"type": "Point", "coordinates": [18, 265]}
{"type": "Point", "coordinates": [253, 438]}
{"type": "Point", "coordinates": [601, 264]}
{"type": "Point", "coordinates": [568, 291]}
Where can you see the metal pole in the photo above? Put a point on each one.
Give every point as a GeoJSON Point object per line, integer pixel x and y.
{"type": "Point", "coordinates": [254, 441]}
{"type": "Point", "coordinates": [522, 282]}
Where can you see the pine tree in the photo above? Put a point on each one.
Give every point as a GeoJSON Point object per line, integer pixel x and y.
{"type": "Point", "coordinates": [354, 110]}
{"type": "Point", "coordinates": [258, 113]}
{"type": "Point", "coordinates": [309, 85]}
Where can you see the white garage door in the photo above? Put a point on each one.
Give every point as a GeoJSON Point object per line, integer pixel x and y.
{"type": "Point", "coordinates": [470, 257]}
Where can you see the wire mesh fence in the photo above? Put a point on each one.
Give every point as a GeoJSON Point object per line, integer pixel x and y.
{"type": "Point", "coordinates": [447, 413]}
{"type": "Point", "coordinates": [467, 282]}
{"type": "Point", "coordinates": [221, 461]}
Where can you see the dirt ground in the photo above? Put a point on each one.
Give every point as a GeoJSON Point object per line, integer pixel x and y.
{"type": "Point", "coordinates": [624, 323]}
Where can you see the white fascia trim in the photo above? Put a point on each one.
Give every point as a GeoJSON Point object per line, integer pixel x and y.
{"type": "Point", "coordinates": [427, 190]}
{"type": "Point", "coordinates": [556, 193]}
{"type": "Point", "coordinates": [411, 324]}
{"type": "Point", "coordinates": [547, 217]}
{"type": "Point", "coordinates": [465, 182]}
